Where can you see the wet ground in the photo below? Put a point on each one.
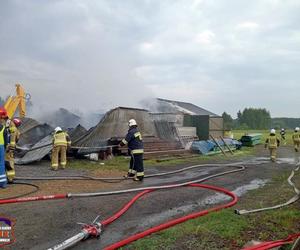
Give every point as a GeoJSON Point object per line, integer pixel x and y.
{"type": "Point", "coordinates": [40, 225]}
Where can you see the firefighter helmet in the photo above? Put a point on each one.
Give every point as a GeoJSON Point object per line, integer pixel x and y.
{"type": "Point", "coordinates": [57, 129]}
{"type": "Point", "coordinates": [17, 122]}
{"type": "Point", "coordinates": [3, 113]}
{"type": "Point", "coordinates": [272, 131]}
{"type": "Point", "coordinates": [132, 122]}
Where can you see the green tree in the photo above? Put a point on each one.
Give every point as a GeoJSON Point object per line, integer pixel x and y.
{"type": "Point", "coordinates": [254, 118]}
{"type": "Point", "coordinates": [228, 121]}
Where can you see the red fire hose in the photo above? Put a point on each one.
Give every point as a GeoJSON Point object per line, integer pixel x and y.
{"type": "Point", "coordinates": [271, 244]}
{"type": "Point", "coordinates": [169, 223]}
{"type": "Point", "coordinates": [34, 198]}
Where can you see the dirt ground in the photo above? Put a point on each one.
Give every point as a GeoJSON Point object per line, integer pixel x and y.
{"type": "Point", "coordinates": [43, 224]}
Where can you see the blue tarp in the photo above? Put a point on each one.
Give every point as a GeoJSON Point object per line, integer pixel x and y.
{"type": "Point", "coordinates": [209, 146]}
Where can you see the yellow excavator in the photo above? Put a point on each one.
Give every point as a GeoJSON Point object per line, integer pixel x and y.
{"type": "Point", "coordinates": [17, 102]}
{"type": "Point", "coordinates": [12, 104]}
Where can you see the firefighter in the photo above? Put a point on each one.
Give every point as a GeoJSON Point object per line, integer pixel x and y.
{"type": "Point", "coordinates": [3, 144]}
{"type": "Point", "coordinates": [14, 135]}
{"type": "Point", "coordinates": [282, 136]}
{"type": "Point", "coordinates": [272, 143]}
{"type": "Point", "coordinates": [134, 142]}
{"type": "Point", "coordinates": [296, 139]}
{"type": "Point", "coordinates": [61, 141]}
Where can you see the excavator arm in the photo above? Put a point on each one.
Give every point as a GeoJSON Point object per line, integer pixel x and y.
{"type": "Point", "coordinates": [14, 102]}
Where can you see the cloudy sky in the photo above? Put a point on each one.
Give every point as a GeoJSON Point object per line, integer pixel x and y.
{"type": "Point", "coordinates": [223, 55]}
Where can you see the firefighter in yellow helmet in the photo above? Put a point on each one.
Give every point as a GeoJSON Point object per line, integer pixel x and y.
{"type": "Point", "coordinates": [272, 143]}
{"type": "Point", "coordinates": [61, 141]}
{"type": "Point", "coordinates": [296, 139]}
{"type": "Point", "coordinates": [14, 135]}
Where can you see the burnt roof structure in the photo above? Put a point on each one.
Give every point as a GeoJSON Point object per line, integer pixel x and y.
{"type": "Point", "coordinates": [27, 124]}
{"type": "Point", "coordinates": [34, 134]}
{"type": "Point", "coordinates": [37, 152]}
{"type": "Point", "coordinates": [62, 118]}
{"type": "Point", "coordinates": [184, 107]}
{"type": "Point", "coordinates": [115, 124]}
{"type": "Point", "coordinates": [77, 132]}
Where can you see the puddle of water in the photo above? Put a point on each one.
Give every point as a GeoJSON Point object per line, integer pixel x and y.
{"type": "Point", "coordinates": [288, 160]}
{"type": "Point", "coordinates": [210, 200]}
{"type": "Point", "coordinates": [292, 160]}
{"type": "Point", "coordinates": [254, 184]}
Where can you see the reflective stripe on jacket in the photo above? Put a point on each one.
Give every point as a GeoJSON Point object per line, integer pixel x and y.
{"type": "Point", "coordinates": [2, 136]}
{"type": "Point", "coordinates": [14, 134]}
{"type": "Point", "coordinates": [61, 139]}
{"type": "Point", "coordinates": [272, 141]}
{"type": "Point", "coordinates": [296, 136]}
{"type": "Point", "coordinates": [134, 140]}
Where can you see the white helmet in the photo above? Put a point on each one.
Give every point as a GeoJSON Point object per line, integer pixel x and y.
{"type": "Point", "coordinates": [132, 122]}
{"type": "Point", "coordinates": [57, 129]}
{"type": "Point", "coordinates": [272, 131]}
{"type": "Point", "coordinates": [297, 129]}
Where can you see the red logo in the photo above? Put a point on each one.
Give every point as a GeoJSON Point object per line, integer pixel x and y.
{"type": "Point", "coordinates": [6, 231]}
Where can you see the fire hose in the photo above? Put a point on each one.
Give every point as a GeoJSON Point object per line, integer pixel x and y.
{"type": "Point", "coordinates": [238, 167]}
{"type": "Point", "coordinates": [96, 228]}
{"type": "Point", "coordinates": [271, 244]}
{"type": "Point", "coordinates": [290, 201]}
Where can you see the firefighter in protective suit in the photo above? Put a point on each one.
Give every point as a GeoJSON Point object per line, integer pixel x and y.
{"type": "Point", "coordinates": [14, 135]}
{"type": "Point", "coordinates": [61, 141]}
{"type": "Point", "coordinates": [296, 139]}
{"type": "Point", "coordinates": [3, 144]}
{"type": "Point", "coordinates": [272, 143]}
{"type": "Point", "coordinates": [135, 145]}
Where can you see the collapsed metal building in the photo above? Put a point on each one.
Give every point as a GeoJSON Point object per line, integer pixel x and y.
{"type": "Point", "coordinates": [166, 132]}
{"type": "Point", "coordinates": [157, 135]}
{"type": "Point", "coordinates": [190, 120]}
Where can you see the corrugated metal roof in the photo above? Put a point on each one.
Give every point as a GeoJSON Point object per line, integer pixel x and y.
{"type": "Point", "coordinates": [35, 134]}
{"type": "Point", "coordinates": [115, 124]}
{"type": "Point", "coordinates": [186, 107]}
{"type": "Point", "coordinates": [77, 132]}
{"type": "Point", "coordinates": [27, 124]}
{"type": "Point", "coordinates": [37, 152]}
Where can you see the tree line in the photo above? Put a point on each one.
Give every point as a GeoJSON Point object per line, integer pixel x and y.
{"type": "Point", "coordinates": [258, 118]}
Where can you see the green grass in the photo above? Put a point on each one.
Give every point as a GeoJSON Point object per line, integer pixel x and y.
{"type": "Point", "coordinates": [226, 230]}
{"type": "Point", "coordinates": [121, 163]}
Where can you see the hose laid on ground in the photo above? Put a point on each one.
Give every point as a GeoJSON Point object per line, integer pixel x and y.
{"type": "Point", "coordinates": [67, 243]}
{"type": "Point", "coordinates": [290, 201]}
{"type": "Point", "coordinates": [84, 177]}
{"type": "Point", "coordinates": [36, 188]}
{"type": "Point", "coordinates": [70, 195]}
{"type": "Point", "coordinates": [271, 244]}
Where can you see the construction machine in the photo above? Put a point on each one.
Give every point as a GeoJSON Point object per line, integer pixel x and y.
{"type": "Point", "coordinates": [11, 105]}
{"type": "Point", "coordinates": [17, 102]}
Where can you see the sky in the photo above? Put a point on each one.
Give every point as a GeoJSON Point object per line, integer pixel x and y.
{"type": "Point", "coordinates": [91, 55]}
